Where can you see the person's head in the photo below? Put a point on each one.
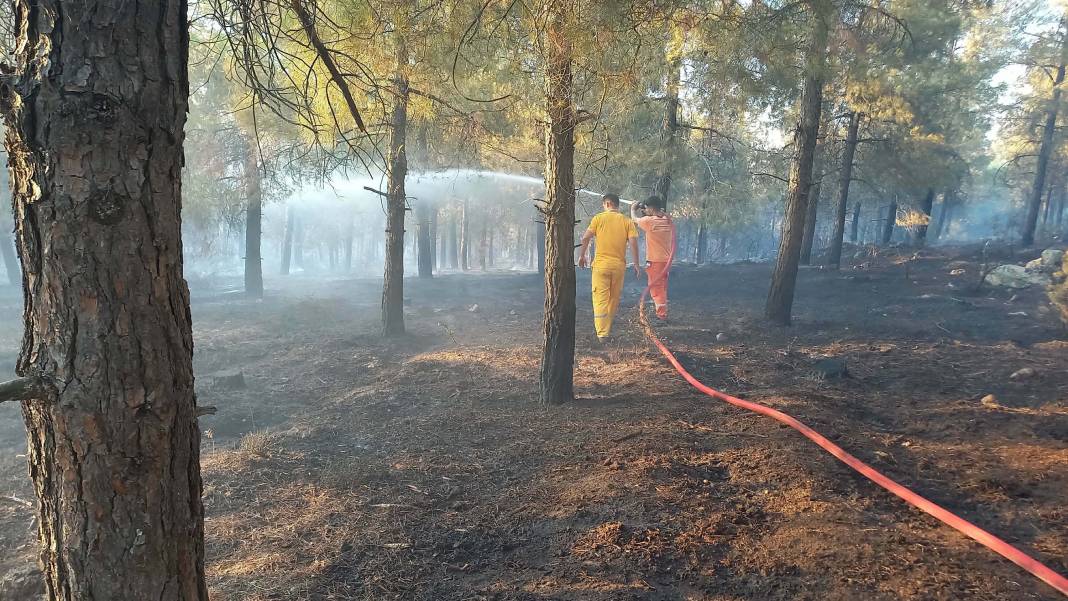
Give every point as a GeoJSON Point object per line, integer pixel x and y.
{"type": "Point", "coordinates": [654, 205]}
{"type": "Point", "coordinates": [610, 202]}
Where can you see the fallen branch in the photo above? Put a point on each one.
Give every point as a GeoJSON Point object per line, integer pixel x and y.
{"type": "Point", "coordinates": [207, 410]}
{"type": "Point", "coordinates": [22, 389]}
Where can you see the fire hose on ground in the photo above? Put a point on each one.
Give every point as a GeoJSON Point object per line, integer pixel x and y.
{"type": "Point", "coordinates": [988, 540]}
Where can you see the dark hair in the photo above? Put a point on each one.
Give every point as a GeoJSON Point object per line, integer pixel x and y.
{"type": "Point", "coordinates": [613, 199]}
{"type": "Point", "coordinates": [655, 202]}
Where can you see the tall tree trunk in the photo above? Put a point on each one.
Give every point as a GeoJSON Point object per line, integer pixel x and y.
{"type": "Point", "coordinates": [396, 172]}
{"type": "Point", "coordinates": [287, 241]}
{"type": "Point", "coordinates": [113, 441]}
{"type": "Point", "coordinates": [947, 210]}
{"type": "Point", "coordinates": [1044, 152]}
{"type": "Point", "coordinates": [298, 241]}
{"type": "Point", "coordinates": [350, 227]}
{"type": "Point", "coordinates": [489, 246]}
{"type": "Point", "coordinates": [465, 237]}
{"type": "Point", "coordinates": [454, 250]}
{"type": "Point", "coordinates": [854, 227]}
{"type": "Point", "coordinates": [253, 223]}
{"type": "Point", "coordinates": [669, 129]}
{"type": "Point", "coordinates": [809, 238]}
{"type": "Point", "coordinates": [11, 264]}
{"type": "Point", "coordinates": [891, 221]}
{"type": "Point", "coordinates": [781, 295]}
{"type": "Point", "coordinates": [539, 245]}
{"type": "Point", "coordinates": [425, 251]}
{"type": "Point", "coordinates": [433, 238]}
{"type": "Point", "coordinates": [702, 244]}
{"type": "Point", "coordinates": [926, 208]}
{"type": "Point", "coordinates": [1059, 211]}
{"type": "Point", "coordinates": [558, 348]}
{"type": "Point", "coordinates": [834, 253]}
{"type": "Point", "coordinates": [482, 243]}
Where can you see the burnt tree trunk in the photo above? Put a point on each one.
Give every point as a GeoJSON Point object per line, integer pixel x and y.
{"type": "Point", "coordinates": [926, 208]}
{"type": "Point", "coordinates": [396, 172]}
{"type": "Point", "coordinates": [891, 221]}
{"type": "Point", "coordinates": [11, 264]}
{"type": "Point", "coordinates": [946, 213]}
{"type": "Point", "coordinates": [1044, 152]}
{"type": "Point", "coordinates": [809, 238]}
{"type": "Point", "coordinates": [781, 295]}
{"type": "Point", "coordinates": [253, 223]}
{"type": "Point", "coordinates": [558, 325]}
{"type": "Point", "coordinates": [95, 113]}
{"type": "Point", "coordinates": [834, 253]}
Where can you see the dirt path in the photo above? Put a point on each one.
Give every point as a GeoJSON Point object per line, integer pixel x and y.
{"type": "Point", "coordinates": [353, 468]}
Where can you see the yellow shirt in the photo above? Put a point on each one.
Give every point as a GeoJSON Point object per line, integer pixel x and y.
{"type": "Point", "coordinates": [613, 230]}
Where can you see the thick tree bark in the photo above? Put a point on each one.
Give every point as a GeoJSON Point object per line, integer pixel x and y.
{"type": "Point", "coordinates": [425, 251]}
{"type": "Point", "coordinates": [11, 264]}
{"type": "Point", "coordinates": [95, 116]}
{"type": "Point", "coordinates": [891, 221]}
{"type": "Point", "coordinates": [396, 172]}
{"type": "Point", "coordinates": [558, 347]}
{"type": "Point", "coordinates": [834, 253]}
{"type": "Point", "coordinates": [539, 246]}
{"type": "Point", "coordinates": [784, 279]}
{"type": "Point", "coordinates": [926, 208]}
{"type": "Point", "coordinates": [1044, 152]}
{"type": "Point", "coordinates": [287, 241]}
{"type": "Point", "coordinates": [809, 238]}
{"type": "Point", "coordinates": [253, 223]}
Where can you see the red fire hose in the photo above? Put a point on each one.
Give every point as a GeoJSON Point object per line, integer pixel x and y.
{"type": "Point", "coordinates": [995, 544]}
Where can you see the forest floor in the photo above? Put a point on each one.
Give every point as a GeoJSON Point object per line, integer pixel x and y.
{"type": "Point", "coordinates": [351, 467]}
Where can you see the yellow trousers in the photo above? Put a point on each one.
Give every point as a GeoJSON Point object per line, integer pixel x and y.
{"type": "Point", "coordinates": [607, 290]}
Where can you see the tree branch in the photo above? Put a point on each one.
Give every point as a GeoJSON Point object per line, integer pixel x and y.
{"type": "Point", "coordinates": [324, 54]}
{"type": "Point", "coordinates": [22, 389]}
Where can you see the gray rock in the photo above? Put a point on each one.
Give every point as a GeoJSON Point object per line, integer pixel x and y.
{"type": "Point", "coordinates": [25, 583]}
{"type": "Point", "coordinates": [1024, 374]}
{"type": "Point", "coordinates": [229, 380]}
{"type": "Point", "coordinates": [831, 367]}
{"type": "Point", "coordinates": [1014, 276]}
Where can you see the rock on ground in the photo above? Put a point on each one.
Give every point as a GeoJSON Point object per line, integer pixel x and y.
{"type": "Point", "coordinates": [1014, 276]}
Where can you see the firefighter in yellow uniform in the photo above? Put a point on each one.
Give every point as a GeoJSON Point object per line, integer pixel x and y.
{"type": "Point", "coordinates": [614, 232]}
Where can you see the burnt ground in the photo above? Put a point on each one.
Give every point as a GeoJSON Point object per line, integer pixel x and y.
{"type": "Point", "coordinates": [356, 468]}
